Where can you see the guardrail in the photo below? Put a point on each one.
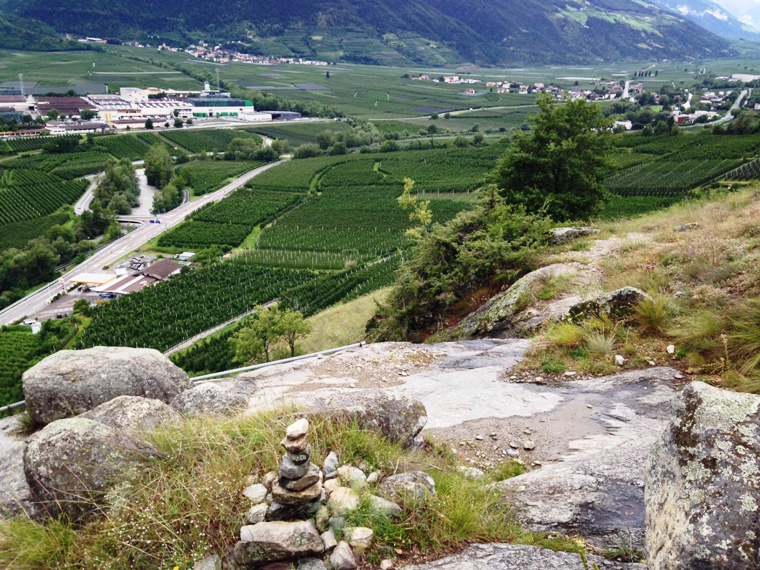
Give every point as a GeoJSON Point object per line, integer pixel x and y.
{"type": "Point", "coordinates": [209, 377]}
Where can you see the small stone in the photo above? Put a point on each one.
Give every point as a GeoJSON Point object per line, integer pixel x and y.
{"type": "Point", "coordinates": [513, 453]}
{"type": "Point", "coordinates": [295, 446]}
{"type": "Point", "coordinates": [471, 473]}
{"type": "Point", "coordinates": [352, 477]}
{"type": "Point", "coordinates": [384, 507]}
{"type": "Point", "coordinates": [343, 500]}
{"type": "Point", "coordinates": [279, 512]}
{"type": "Point", "coordinates": [386, 564]}
{"type": "Point", "coordinates": [268, 479]}
{"type": "Point", "coordinates": [310, 564]}
{"type": "Point", "coordinates": [678, 376]}
{"type": "Point", "coordinates": [321, 518]}
{"type": "Point", "coordinates": [291, 470]}
{"type": "Point", "coordinates": [328, 537]}
{"type": "Point", "coordinates": [209, 563]}
{"type": "Point", "coordinates": [619, 359]}
{"type": "Point", "coordinates": [300, 458]}
{"type": "Point", "coordinates": [538, 380]}
{"type": "Point", "coordinates": [479, 437]}
{"type": "Point", "coordinates": [493, 435]}
{"type": "Point", "coordinates": [527, 431]}
{"type": "Point", "coordinates": [257, 513]}
{"type": "Point", "coordinates": [589, 406]}
{"type": "Point", "coordinates": [514, 445]}
{"type": "Point", "coordinates": [671, 349]}
{"type": "Point", "coordinates": [529, 445]}
{"type": "Point", "coordinates": [652, 363]}
{"type": "Point", "coordinates": [342, 558]}
{"type": "Point", "coordinates": [307, 495]}
{"type": "Point", "coordinates": [337, 523]}
{"type": "Point", "coordinates": [537, 463]}
{"type": "Point", "coordinates": [297, 429]}
{"type": "Point", "coordinates": [331, 484]}
{"type": "Point", "coordinates": [352, 385]}
{"type": "Point", "coordinates": [256, 493]}
{"type": "Point", "coordinates": [359, 538]}
{"type": "Point", "coordinates": [373, 477]}
{"type": "Point", "coordinates": [311, 477]}
{"type": "Point", "coordinates": [570, 373]}
{"type": "Point", "coordinates": [330, 465]}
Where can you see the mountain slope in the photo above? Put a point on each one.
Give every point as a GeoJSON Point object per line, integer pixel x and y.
{"type": "Point", "coordinates": [712, 17]}
{"type": "Point", "coordinates": [22, 33]}
{"type": "Point", "coordinates": [481, 31]}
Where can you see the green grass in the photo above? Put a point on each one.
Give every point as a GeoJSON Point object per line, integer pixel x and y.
{"type": "Point", "coordinates": [189, 503]}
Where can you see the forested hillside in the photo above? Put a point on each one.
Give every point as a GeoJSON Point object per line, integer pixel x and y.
{"type": "Point", "coordinates": [479, 31]}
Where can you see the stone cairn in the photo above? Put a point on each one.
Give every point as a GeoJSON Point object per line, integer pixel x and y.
{"type": "Point", "coordinates": [293, 522]}
{"type": "Point", "coordinates": [300, 481]}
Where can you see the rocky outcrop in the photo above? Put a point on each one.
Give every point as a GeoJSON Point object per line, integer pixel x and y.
{"type": "Point", "coordinates": [502, 311]}
{"type": "Point", "coordinates": [71, 382]}
{"type": "Point", "coordinates": [703, 483]}
{"type": "Point", "coordinates": [564, 235]}
{"type": "Point", "coordinates": [614, 304]}
{"type": "Point", "coordinates": [71, 464]}
{"type": "Point", "coordinates": [132, 413]}
{"type": "Point", "coordinates": [597, 491]}
{"type": "Point", "coordinates": [208, 398]}
{"type": "Point", "coordinates": [396, 416]}
{"type": "Point", "coordinates": [493, 556]}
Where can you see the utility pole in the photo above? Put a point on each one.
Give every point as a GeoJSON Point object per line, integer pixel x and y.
{"type": "Point", "coordinates": [218, 83]}
{"type": "Point", "coordinates": [21, 84]}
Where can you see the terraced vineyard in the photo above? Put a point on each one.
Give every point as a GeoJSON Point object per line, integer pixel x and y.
{"type": "Point", "coordinates": [123, 146]}
{"type": "Point", "coordinates": [301, 133]}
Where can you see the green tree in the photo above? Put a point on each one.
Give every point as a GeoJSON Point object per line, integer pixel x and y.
{"type": "Point", "coordinates": [158, 166]}
{"type": "Point", "coordinates": [53, 114]}
{"type": "Point", "coordinates": [149, 123]}
{"type": "Point", "coordinates": [87, 114]}
{"type": "Point", "coordinates": [558, 168]}
{"type": "Point", "coordinates": [293, 327]}
{"type": "Point", "coordinates": [119, 179]}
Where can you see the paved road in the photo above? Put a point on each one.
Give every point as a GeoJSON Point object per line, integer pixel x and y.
{"type": "Point", "coordinates": [735, 106]}
{"type": "Point", "coordinates": [31, 304]}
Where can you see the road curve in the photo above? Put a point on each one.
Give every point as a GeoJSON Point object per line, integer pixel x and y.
{"type": "Point", "coordinates": [33, 303]}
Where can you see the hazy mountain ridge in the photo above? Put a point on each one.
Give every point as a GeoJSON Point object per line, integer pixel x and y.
{"type": "Point", "coordinates": [711, 17]}
{"type": "Point", "coordinates": [479, 31]}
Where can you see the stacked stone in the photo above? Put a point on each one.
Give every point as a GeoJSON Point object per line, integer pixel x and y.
{"type": "Point", "coordinates": [300, 481]}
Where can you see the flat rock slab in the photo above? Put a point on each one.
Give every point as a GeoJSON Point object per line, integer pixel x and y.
{"type": "Point", "coordinates": [596, 489]}
{"type": "Point", "coordinates": [509, 556]}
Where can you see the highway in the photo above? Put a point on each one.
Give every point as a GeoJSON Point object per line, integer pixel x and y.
{"type": "Point", "coordinates": [30, 305]}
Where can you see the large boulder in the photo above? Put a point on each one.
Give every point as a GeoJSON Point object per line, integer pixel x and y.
{"type": "Point", "coordinates": [132, 413]}
{"type": "Point", "coordinates": [398, 417]}
{"type": "Point", "coordinates": [703, 483]}
{"type": "Point", "coordinates": [502, 312]}
{"type": "Point", "coordinates": [71, 464]}
{"type": "Point", "coordinates": [209, 398]}
{"type": "Point", "coordinates": [71, 382]}
{"type": "Point", "coordinates": [496, 556]}
{"type": "Point", "coordinates": [273, 541]}
{"type": "Point", "coordinates": [615, 304]}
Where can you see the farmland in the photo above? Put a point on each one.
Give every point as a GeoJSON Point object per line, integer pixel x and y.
{"type": "Point", "coordinates": [30, 194]}
{"type": "Point", "coordinates": [209, 175]}
{"type": "Point", "coordinates": [210, 140]}
{"type": "Point", "coordinates": [667, 168]}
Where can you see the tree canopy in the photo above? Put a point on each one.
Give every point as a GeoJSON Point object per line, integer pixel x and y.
{"type": "Point", "coordinates": [558, 168]}
{"type": "Point", "coordinates": [266, 328]}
